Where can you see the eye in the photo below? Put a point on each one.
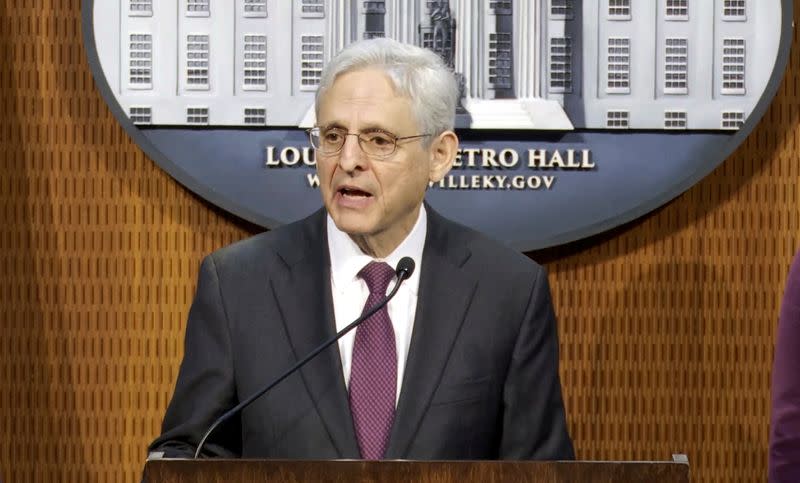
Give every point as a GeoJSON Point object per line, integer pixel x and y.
{"type": "Point", "coordinates": [332, 136]}
{"type": "Point", "coordinates": [379, 139]}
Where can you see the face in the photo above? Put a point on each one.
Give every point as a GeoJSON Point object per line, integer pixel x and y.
{"type": "Point", "coordinates": [376, 201]}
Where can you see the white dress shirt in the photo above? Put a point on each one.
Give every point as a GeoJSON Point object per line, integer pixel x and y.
{"type": "Point", "coordinates": [350, 292]}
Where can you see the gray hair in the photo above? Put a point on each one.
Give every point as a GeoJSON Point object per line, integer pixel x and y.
{"type": "Point", "coordinates": [417, 74]}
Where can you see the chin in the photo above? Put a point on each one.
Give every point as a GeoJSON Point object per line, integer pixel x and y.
{"type": "Point", "coordinates": [352, 225]}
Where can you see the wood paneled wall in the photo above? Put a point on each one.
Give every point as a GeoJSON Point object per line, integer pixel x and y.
{"type": "Point", "coordinates": [666, 324]}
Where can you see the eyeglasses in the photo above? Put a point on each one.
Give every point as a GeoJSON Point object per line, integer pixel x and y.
{"type": "Point", "coordinates": [378, 144]}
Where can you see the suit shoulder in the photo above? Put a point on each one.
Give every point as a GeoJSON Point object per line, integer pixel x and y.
{"type": "Point", "coordinates": [256, 246]}
{"type": "Point", "coordinates": [491, 255]}
{"type": "Point", "coordinates": [285, 241]}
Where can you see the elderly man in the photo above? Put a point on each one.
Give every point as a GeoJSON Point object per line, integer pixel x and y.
{"type": "Point", "coordinates": [462, 364]}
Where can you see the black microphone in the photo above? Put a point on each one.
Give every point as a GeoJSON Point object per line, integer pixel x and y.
{"type": "Point", "coordinates": [405, 268]}
{"type": "Point", "coordinates": [403, 271]}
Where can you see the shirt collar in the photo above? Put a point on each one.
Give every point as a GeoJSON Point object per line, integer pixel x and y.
{"type": "Point", "coordinates": [347, 259]}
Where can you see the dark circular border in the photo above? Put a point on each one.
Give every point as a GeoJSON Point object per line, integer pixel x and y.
{"type": "Point", "coordinates": [711, 152]}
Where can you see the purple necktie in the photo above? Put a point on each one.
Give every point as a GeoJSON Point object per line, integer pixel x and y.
{"type": "Point", "coordinates": [373, 374]}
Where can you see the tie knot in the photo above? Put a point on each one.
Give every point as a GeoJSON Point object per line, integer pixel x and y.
{"type": "Point", "coordinates": [378, 275]}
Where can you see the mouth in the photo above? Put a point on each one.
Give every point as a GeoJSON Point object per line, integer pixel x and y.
{"type": "Point", "coordinates": [351, 192]}
{"type": "Point", "coordinates": [353, 198]}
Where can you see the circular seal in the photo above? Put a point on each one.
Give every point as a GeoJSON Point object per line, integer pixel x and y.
{"type": "Point", "coordinates": [575, 117]}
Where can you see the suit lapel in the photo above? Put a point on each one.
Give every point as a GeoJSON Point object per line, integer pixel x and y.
{"type": "Point", "coordinates": [445, 293]}
{"type": "Point", "coordinates": [304, 297]}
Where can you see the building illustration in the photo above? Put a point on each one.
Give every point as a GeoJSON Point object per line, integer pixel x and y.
{"type": "Point", "coordinates": [522, 64]}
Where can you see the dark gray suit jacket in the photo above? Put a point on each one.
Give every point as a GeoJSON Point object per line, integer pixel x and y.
{"type": "Point", "coordinates": [481, 379]}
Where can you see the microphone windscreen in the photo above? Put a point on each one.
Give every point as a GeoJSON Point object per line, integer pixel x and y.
{"type": "Point", "coordinates": [406, 264]}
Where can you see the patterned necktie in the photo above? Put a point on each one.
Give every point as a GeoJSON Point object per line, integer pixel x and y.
{"type": "Point", "coordinates": [373, 374]}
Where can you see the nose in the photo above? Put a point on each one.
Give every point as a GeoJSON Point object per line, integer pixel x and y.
{"type": "Point", "coordinates": [351, 157]}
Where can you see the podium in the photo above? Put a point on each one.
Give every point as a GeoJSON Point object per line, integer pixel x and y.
{"type": "Point", "coordinates": [353, 471]}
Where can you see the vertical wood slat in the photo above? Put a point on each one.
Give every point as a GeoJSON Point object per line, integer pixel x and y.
{"type": "Point", "coordinates": [99, 249]}
{"type": "Point", "coordinates": [666, 325]}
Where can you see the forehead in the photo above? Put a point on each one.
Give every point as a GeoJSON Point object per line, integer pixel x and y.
{"type": "Point", "coordinates": [365, 97]}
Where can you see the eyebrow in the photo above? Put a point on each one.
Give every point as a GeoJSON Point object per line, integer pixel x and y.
{"type": "Point", "coordinates": [332, 125]}
{"type": "Point", "coordinates": [367, 128]}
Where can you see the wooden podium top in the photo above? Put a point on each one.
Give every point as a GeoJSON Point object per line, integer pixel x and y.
{"type": "Point", "coordinates": [349, 471]}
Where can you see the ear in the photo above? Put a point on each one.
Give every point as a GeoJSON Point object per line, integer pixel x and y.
{"type": "Point", "coordinates": [443, 153]}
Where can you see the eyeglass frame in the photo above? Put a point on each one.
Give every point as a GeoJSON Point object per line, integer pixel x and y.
{"type": "Point", "coordinates": [361, 140]}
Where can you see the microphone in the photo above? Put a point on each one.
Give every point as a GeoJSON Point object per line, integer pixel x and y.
{"type": "Point", "coordinates": [405, 268]}
{"type": "Point", "coordinates": [403, 271]}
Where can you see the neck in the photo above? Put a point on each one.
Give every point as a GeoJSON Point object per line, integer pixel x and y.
{"type": "Point", "coordinates": [382, 244]}
{"type": "Point", "coordinates": [373, 247]}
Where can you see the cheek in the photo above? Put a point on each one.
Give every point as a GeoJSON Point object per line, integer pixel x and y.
{"type": "Point", "coordinates": [405, 188]}
{"type": "Point", "coordinates": [325, 174]}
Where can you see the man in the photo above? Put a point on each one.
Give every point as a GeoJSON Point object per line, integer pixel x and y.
{"type": "Point", "coordinates": [463, 364]}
